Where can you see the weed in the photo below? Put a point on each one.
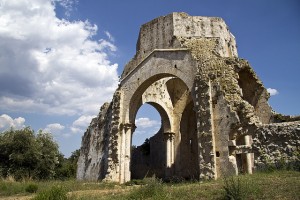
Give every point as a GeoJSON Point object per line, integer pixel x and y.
{"type": "Point", "coordinates": [54, 193]}
{"type": "Point", "coordinates": [31, 188]}
{"type": "Point", "coordinates": [232, 187]}
{"type": "Point", "coordinates": [240, 187]}
{"type": "Point", "coordinates": [153, 189]}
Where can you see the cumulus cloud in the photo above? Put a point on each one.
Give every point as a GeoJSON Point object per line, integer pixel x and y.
{"type": "Point", "coordinates": [55, 128]}
{"type": "Point", "coordinates": [145, 122]}
{"type": "Point", "coordinates": [81, 124]}
{"type": "Point", "coordinates": [272, 91]}
{"type": "Point", "coordinates": [7, 122]}
{"type": "Point", "coordinates": [52, 65]}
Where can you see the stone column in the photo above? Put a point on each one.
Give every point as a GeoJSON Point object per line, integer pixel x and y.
{"type": "Point", "coordinates": [128, 129]}
{"type": "Point", "coordinates": [170, 151]}
{"type": "Point", "coordinates": [122, 154]}
{"type": "Point", "coordinates": [249, 156]}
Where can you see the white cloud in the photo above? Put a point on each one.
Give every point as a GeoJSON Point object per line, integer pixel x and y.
{"type": "Point", "coordinates": [145, 122]}
{"type": "Point", "coordinates": [83, 121]}
{"type": "Point", "coordinates": [68, 5]}
{"type": "Point", "coordinates": [52, 65]}
{"type": "Point", "coordinates": [6, 122]}
{"type": "Point", "coordinates": [55, 128]}
{"type": "Point", "coordinates": [81, 124]}
{"type": "Point", "coordinates": [110, 37]}
{"type": "Point", "coordinates": [272, 91]}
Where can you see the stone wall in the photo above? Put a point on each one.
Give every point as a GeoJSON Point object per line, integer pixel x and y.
{"type": "Point", "coordinates": [98, 153]}
{"type": "Point", "coordinates": [277, 142]}
{"type": "Point", "coordinates": [92, 162]}
{"type": "Point", "coordinates": [163, 33]}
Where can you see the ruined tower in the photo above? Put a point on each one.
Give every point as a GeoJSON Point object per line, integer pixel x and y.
{"type": "Point", "coordinates": [215, 114]}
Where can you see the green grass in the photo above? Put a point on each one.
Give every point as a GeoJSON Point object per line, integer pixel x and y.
{"type": "Point", "coordinates": [274, 185]}
{"type": "Point", "coordinates": [11, 187]}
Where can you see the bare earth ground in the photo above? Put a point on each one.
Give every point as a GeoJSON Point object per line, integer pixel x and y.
{"type": "Point", "coordinates": [78, 194]}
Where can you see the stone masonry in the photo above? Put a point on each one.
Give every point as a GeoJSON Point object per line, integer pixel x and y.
{"type": "Point", "coordinates": [216, 119]}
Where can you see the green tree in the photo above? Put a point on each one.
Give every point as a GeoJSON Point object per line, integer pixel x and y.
{"type": "Point", "coordinates": [48, 156]}
{"type": "Point", "coordinates": [19, 154]}
{"type": "Point", "coordinates": [67, 167]}
{"type": "Point", "coordinates": [24, 154]}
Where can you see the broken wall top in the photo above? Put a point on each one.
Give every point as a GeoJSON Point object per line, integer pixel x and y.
{"type": "Point", "coordinates": [164, 32]}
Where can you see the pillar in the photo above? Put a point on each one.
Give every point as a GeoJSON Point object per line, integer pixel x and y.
{"type": "Point", "coordinates": [170, 154]}
{"type": "Point", "coordinates": [249, 156]}
{"type": "Point", "coordinates": [126, 140]}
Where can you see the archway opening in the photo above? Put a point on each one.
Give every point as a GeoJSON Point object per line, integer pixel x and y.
{"type": "Point", "coordinates": [147, 157]}
{"type": "Point", "coordinates": [147, 122]}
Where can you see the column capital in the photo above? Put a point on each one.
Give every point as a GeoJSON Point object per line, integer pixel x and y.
{"type": "Point", "coordinates": [169, 135]}
{"type": "Point", "coordinates": [127, 126]}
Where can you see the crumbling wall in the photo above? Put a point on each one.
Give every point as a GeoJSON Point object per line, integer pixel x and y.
{"type": "Point", "coordinates": [161, 33]}
{"type": "Point", "coordinates": [276, 143]}
{"type": "Point", "coordinates": [98, 153]}
{"type": "Point", "coordinates": [92, 162]}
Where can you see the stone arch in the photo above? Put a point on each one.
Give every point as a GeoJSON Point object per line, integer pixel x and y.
{"type": "Point", "coordinates": [142, 94]}
{"type": "Point", "coordinates": [158, 65]}
{"type": "Point", "coordinates": [166, 125]}
{"type": "Point", "coordinates": [172, 98]}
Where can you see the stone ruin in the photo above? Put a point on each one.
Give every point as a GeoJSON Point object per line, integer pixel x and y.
{"type": "Point", "coordinates": [216, 119]}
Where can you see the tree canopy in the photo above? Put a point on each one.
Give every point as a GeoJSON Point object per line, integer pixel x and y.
{"type": "Point", "coordinates": [24, 154]}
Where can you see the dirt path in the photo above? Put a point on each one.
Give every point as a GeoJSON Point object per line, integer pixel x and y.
{"type": "Point", "coordinates": [79, 193]}
{"type": "Point", "coordinates": [92, 193]}
{"type": "Point", "coordinates": [17, 197]}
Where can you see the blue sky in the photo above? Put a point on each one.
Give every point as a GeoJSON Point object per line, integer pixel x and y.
{"type": "Point", "coordinates": [60, 60]}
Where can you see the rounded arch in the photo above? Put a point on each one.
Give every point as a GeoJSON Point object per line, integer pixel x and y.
{"type": "Point", "coordinates": [166, 124]}
{"type": "Point", "coordinates": [165, 81]}
{"type": "Point", "coordinates": [160, 64]}
{"type": "Point", "coordinates": [136, 99]}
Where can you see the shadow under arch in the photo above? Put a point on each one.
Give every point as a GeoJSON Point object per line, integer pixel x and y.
{"type": "Point", "coordinates": [187, 159]}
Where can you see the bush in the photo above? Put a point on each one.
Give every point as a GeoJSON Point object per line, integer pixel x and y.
{"type": "Point", "coordinates": [237, 188]}
{"type": "Point", "coordinates": [31, 188]}
{"type": "Point", "coordinates": [232, 187]}
{"type": "Point", "coordinates": [54, 193]}
{"type": "Point", "coordinates": [153, 189]}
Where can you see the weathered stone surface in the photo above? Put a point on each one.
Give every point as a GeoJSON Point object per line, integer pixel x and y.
{"type": "Point", "coordinates": [276, 143]}
{"type": "Point", "coordinates": [92, 162]}
{"type": "Point", "coordinates": [216, 119]}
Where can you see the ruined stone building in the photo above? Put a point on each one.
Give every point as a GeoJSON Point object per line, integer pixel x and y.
{"type": "Point", "coordinates": [216, 119]}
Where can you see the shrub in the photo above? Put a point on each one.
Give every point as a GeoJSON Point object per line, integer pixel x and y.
{"type": "Point", "coordinates": [31, 188]}
{"type": "Point", "coordinates": [237, 189]}
{"type": "Point", "coordinates": [153, 189]}
{"type": "Point", "coordinates": [54, 193]}
{"type": "Point", "coordinates": [232, 187]}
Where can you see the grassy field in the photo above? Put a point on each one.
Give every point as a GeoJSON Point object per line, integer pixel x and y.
{"type": "Point", "coordinates": [273, 185]}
